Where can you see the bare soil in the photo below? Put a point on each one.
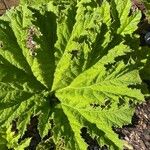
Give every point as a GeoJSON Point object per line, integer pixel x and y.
{"type": "Point", "coordinates": [7, 4]}
{"type": "Point", "coordinates": [137, 134]}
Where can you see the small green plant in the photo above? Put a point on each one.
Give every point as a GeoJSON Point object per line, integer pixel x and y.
{"type": "Point", "coordinates": [67, 62]}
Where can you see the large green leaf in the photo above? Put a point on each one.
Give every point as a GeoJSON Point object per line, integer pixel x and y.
{"type": "Point", "coordinates": [97, 87]}
{"type": "Point", "coordinates": [123, 20]}
{"type": "Point", "coordinates": [64, 61]}
{"type": "Point", "coordinates": [28, 35]}
{"type": "Point", "coordinates": [34, 2]}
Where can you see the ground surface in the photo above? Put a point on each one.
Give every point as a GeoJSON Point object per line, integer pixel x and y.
{"type": "Point", "coordinates": [137, 135]}
{"type": "Point", "coordinates": [6, 4]}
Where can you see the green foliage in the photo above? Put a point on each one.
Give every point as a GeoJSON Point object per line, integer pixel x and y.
{"type": "Point", "coordinates": [145, 51]}
{"type": "Point", "coordinates": [64, 61]}
{"type": "Point", "coordinates": [147, 11]}
{"type": "Point", "coordinates": [10, 139]}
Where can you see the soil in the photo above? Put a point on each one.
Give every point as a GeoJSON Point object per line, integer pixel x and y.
{"type": "Point", "coordinates": [135, 135]}
{"type": "Point", "coordinates": [7, 4]}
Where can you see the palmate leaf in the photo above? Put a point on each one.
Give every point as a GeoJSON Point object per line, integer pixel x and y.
{"type": "Point", "coordinates": [119, 11]}
{"type": "Point", "coordinates": [63, 61]}
{"type": "Point", "coordinates": [9, 140]}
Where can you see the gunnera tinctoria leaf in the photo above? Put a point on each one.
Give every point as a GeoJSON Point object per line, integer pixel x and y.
{"type": "Point", "coordinates": [63, 61]}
